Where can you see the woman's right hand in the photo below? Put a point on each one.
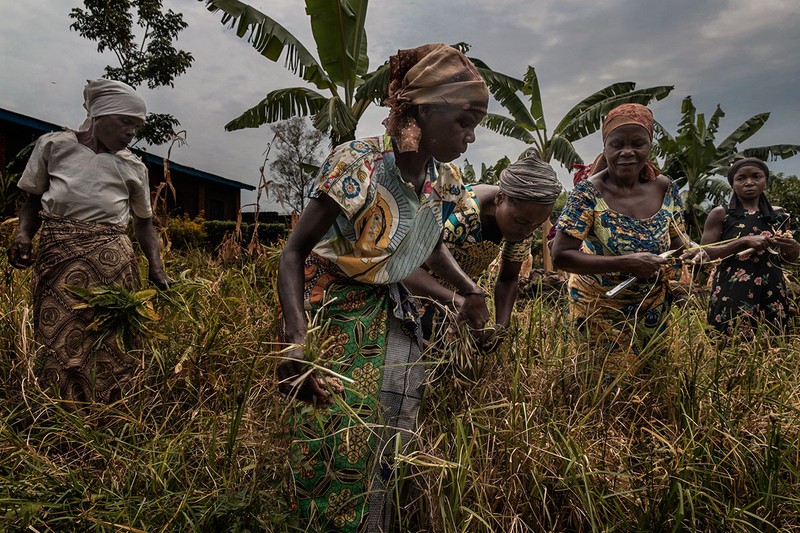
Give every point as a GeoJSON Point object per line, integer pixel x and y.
{"type": "Point", "coordinates": [644, 265]}
{"type": "Point", "coordinates": [473, 310]}
{"type": "Point", "coordinates": [19, 253]}
{"type": "Point", "coordinates": [755, 243]}
{"type": "Point", "coordinates": [311, 390]}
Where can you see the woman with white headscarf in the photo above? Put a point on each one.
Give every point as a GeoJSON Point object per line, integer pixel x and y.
{"type": "Point", "coordinates": [84, 187]}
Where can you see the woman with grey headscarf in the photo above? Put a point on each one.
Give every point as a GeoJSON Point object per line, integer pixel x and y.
{"type": "Point", "coordinates": [83, 189]}
{"type": "Point", "coordinates": [492, 220]}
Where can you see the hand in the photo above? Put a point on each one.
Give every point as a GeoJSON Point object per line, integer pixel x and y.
{"type": "Point", "coordinates": [644, 265]}
{"type": "Point", "coordinates": [697, 256]}
{"type": "Point", "coordinates": [756, 243]}
{"type": "Point", "coordinates": [787, 246]}
{"type": "Point", "coordinates": [495, 338]}
{"type": "Point", "coordinates": [311, 389]}
{"type": "Point", "coordinates": [159, 278]}
{"type": "Point", "coordinates": [474, 312]}
{"type": "Point", "coordinates": [19, 253]}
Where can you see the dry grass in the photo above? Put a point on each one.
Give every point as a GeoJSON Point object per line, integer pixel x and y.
{"type": "Point", "coordinates": [531, 438]}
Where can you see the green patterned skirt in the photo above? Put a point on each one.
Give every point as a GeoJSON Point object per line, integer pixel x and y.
{"type": "Point", "coordinates": [345, 481]}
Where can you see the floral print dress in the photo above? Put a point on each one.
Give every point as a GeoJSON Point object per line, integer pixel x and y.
{"type": "Point", "coordinates": [753, 286]}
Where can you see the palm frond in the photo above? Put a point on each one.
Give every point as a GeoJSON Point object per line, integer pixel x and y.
{"type": "Point", "coordinates": [270, 39]}
{"type": "Point", "coordinates": [338, 29]}
{"type": "Point", "coordinates": [278, 105]}
{"type": "Point", "coordinates": [376, 85]}
{"type": "Point", "coordinates": [599, 96]}
{"type": "Point", "coordinates": [506, 126]}
{"type": "Point", "coordinates": [746, 130]}
{"type": "Point", "coordinates": [338, 117]}
{"type": "Point", "coordinates": [562, 150]}
{"type": "Point", "coordinates": [773, 152]}
{"type": "Point", "coordinates": [590, 120]}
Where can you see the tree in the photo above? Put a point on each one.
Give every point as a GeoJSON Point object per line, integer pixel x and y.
{"type": "Point", "coordinates": [693, 160]}
{"type": "Point", "coordinates": [527, 123]}
{"type": "Point", "coordinates": [149, 58]}
{"type": "Point", "coordinates": [784, 191]}
{"type": "Point", "coordinates": [298, 148]}
{"type": "Point", "coordinates": [342, 70]}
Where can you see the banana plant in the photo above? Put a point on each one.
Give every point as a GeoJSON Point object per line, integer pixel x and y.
{"type": "Point", "coordinates": [693, 160]}
{"type": "Point", "coordinates": [526, 122]}
{"type": "Point", "coordinates": [340, 85]}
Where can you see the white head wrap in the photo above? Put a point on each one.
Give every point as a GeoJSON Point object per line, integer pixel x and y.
{"type": "Point", "coordinates": [109, 97]}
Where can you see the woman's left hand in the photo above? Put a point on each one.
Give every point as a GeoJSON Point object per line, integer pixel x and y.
{"type": "Point", "coordinates": [788, 247]}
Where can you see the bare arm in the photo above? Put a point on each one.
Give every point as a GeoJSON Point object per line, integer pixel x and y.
{"type": "Point", "coordinates": [506, 289]}
{"type": "Point", "coordinates": [568, 256]}
{"type": "Point", "coordinates": [148, 241]}
{"type": "Point", "coordinates": [317, 217]}
{"type": "Point", "coordinates": [712, 232]}
{"type": "Point", "coordinates": [473, 311]}
{"type": "Point", "coordinates": [19, 253]}
{"type": "Point", "coordinates": [421, 283]}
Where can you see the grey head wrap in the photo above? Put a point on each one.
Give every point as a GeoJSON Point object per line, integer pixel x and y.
{"type": "Point", "coordinates": [109, 97]}
{"type": "Point", "coordinates": [530, 179]}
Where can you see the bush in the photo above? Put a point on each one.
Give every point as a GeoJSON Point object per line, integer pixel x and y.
{"type": "Point", "coordinates": [185, 233]}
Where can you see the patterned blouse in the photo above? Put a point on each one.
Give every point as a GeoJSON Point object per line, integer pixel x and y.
{"type": "Point", "coordinates": [587, 217]}
{"type": "Point", "coordinates": [463, 237]}
{"type": "Point", "coordinates": [385, 230]}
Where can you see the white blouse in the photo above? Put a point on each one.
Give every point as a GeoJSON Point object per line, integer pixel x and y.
{"type": "Point", "coordinates": [75, 182]}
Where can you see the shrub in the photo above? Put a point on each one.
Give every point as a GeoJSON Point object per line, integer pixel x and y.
{"type": "Point", "coordinates": [185, 232]}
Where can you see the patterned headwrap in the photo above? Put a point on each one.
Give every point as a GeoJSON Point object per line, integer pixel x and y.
{"type": "Point", "coordinates": [430, 74]}
{"type": "Point", "coordinates": [109, 97]}
{"type": "Point", "coordinates": [621, 116]}
{"type": "Point", "coordinates": [735, 204]}
{"type": "Point", "coordinates": [530, 179]}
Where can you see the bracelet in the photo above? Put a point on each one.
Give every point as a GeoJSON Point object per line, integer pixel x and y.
{"type": "Point", "coordinates": [473, 293]}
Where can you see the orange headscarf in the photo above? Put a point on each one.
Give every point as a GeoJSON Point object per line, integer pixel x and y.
{"type": "Point", "coordinates": [621, 116]}
{"type": "Point", "coordinates": [430, 74]}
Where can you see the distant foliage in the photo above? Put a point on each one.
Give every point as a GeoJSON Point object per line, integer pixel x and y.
{"type": "Point", "coordinates": [148, 57]}
{"type": "Point", "coordinates": [185, 232]}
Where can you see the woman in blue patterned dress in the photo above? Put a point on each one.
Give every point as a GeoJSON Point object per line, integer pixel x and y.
{"type": "Point", "coordinates": [614, 226]}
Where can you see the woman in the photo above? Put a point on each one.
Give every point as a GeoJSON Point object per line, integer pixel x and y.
{"type": "Point", "coordinates": [495, 219]}
{"type": "Point", "coordinates": [83, 188]}
{"type": "Point", "coordinates": [748, 284]}
{"type": "Point", "coordinates": [615, 225]}
{"type": "Point", "coordinates": [375, 215]}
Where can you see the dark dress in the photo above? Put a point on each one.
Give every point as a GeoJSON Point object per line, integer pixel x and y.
{"type": "Point", "coordinates": [750, 287]}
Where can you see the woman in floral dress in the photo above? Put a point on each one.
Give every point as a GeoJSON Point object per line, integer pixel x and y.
{"type": "Point", "coordinates": [749, 283]}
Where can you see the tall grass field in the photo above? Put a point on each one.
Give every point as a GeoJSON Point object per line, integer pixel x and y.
{"type": "Point", "coordinates": [534, 437]}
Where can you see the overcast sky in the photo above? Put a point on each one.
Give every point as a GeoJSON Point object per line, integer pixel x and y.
{"type": "Point", "coordinates": [740, 54]}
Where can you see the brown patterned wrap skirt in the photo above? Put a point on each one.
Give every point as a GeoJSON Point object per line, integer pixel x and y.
{"type": "Point", "coordinates": [82, 365]}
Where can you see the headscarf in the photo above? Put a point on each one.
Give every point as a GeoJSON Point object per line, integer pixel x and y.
{"type": "Point", "coordinates": [621, 116]}
{"type": "Point", "coordinates": [735, 206]}
{"type": "Point", "coordinates": [530, 179]}
{"type": "Point", "coordinates": [110, 97]}
{"type": "Point", "coordinates": [430, 74]}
